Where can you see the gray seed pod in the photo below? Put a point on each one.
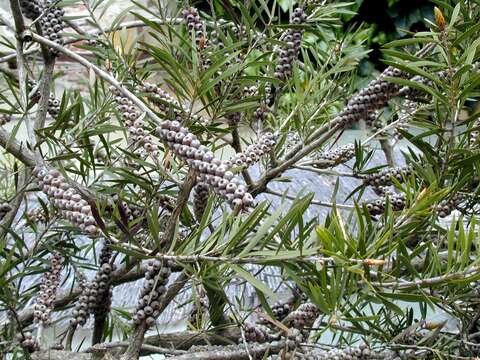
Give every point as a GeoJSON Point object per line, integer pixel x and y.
{"type": "Point", "coordinates": [31, 9]}
{"type": "Point", "coordinates": [4, 209]}
{"type": "Point", "coordinates": [377, 207]}
{"type": "Point", "coordinates": [195, 26]}
{"type": "Point", "coordinates": [337, 156]}
{"type": "Point", "coordinates": [66, 199]}
{"type": "Point", "coordinates": [48, 290]}
{"type": "Point", "coordinates": [385, 177]}
{"type": "Point", "coordinates": [303, 316]}
{"type": "Point", "coordinates": [373, 97]}
{"type": "Point", "coordinates": [200, 159]}
{"type": "Point", "coordinates": [137, 128]}
{"type": "Point", "coordinates": [289, 53]}
{"type": "Point", "coordinates": [257, 333]}
{"type": "Point", "coordinates": [200, 199]}
{"type": "Point", "coordinates": [52, 23]}
{"type": "Point", "coordinates": [156, 277]}
{"type": "Point", "coordinates": [265, 144]}
{"type": "Point", "coordinates": [445, 207]}
{"type": "Point", "coordinates": [5, 119]}
{"type": "Point", "coordinates": [29, 343]}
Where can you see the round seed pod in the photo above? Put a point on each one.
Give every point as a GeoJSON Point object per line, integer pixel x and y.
{"type": "Point", "coordinates": [200, 199]}
{"type": "Point", "coordinates": [31, 9]}
{"type": "Point", "coordinates": [47, 293]}
{"type": "Point", "coordinates": [157, 275]}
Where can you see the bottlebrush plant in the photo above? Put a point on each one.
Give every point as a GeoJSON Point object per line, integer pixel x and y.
{"type": "Point", "coordinates": [171, 172]}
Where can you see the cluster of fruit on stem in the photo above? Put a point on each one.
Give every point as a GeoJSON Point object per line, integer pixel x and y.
{"type": "Point", "coordinates": [293, 41]}
{"type": "Point", "coordinates": [28, 342]}
{"type": "Point", "coordinates": [139, 135]}
{"type": "Point", "coordinates": [336, 156]}
{"type": "Point", "coordinates": [200, 199]}
{"type": "Point", "coordinates": [31, 9]}
{"type": "Point", "coordinates": [154, 286]}
{"type": "Point", "coordinates": [48, 290]}
{"type": "Point", "coordinates": [5, 119]}
{"type": "Point", "coordinates": [385, 176]}
{"type": "Point", "coordinates": [373, 97]}
{"type": "Point", "coordinates": [53, 106]}
{"type": "Point", "coordinates": [52, 22]}
{"type": "Point", "coordinates": [378, 206]}
{"type": "Point", "coordinates": [166, 103]}
{"type": "Point", "coordinates": [211, 170]}
{"type": "Point", "coordinates": [96, 296]}
{"type": "Point", "coordinates": [66, 199]}
{"type": "Point", "coordinates": [253, 152]}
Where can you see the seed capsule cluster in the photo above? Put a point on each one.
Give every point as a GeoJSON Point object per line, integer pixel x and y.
{"type": "Point", "coordinates": [4, 209]}
{"type": "Point", "coordinates": [81, 311]}
{"type": "Point", "coordinates": [281, 310]}
{"type": "Point", "coordinates": [37, 215]}
{"type": "Point", "coordinates": [5, 119]}
{"type": "Point", "coordinates": [215, 39]}
{"type": "Point", "coordinates": [445, 207]}
{"type": "Point", "coordinates": [195, 26]}
{"type": "Point", "coordinates": [31, 9]}
{"type": "Point", "coordinates": [338, 156]}
{"type": "Point", "coordinates": [385, 176]}
{"type": "Point", "coordinates": [154, 286]}
{"type": "Point", "coordinates": [53, 107]}
{"type": "Point", "coordinates": [253, 152]}
{"type": "Point", "coordinates": [373, 122]}
{"type": "Point", "coordinates": [257, 333]}
{"type": "Point", "coordinates": [303, 316]}
{"type": "Point", "coordinates": [64, 197]}
{"type": "Point", "coordinates": [249, 91]}
{"type": "Point", "coordinates": [52, 22]}
{"type": "Point", "coordinates": [96, 296]}
{"type": "Point", "coordinates": [102, 283]}
{"type": "Point", "coordinates": [200, 199]}
{"type": "Point", "coordinates": [136, 127]}
{"type": "Point", "coordinates": [372, 97]}
{"type": "Point", "coordinates": [377, 207]}
{"type": "Point", "coordinates": [409, 107]}
{"type": "Point", "coordinates": [211, 170]}
{"type": "Point", "coordinates": [29, 343]}
{"type": "Point", "coordinates": [292, 139]}
{"type": "Point", "coordinates": [167, 103]}
{"type": "Point", "coordinates": [48, 290]}
{"type": "Point", "coordinates": [196, 29]}
{"type": "Point", "coordinates": [418, 95]}
{"type": "Point", "coordinates": [380, 190]}
{"type": "Point", "coordinates": [260, 114]}
{"type": "Point", "coordinates": [293, 40]}
{"type": "Point", "coordinates": [293, 339]}
{"type": "Point", "coordinates": [350, 353]}
{"type": "Point", "coordinates": [225, 349]}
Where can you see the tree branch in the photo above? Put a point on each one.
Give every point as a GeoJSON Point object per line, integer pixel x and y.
{"type": "Point", "coordinates": [238, 352]}
{"type": "Point", "coordinates": [437, 280]}
{"type": "Point", "coordinates": [102, 74]}
{"type": "Point", "coordinates": [260, 185]}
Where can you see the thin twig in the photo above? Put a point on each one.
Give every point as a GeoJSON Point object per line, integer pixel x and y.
{"type": "Point", "coordinates": [442, 279]}
{"type": "Point", "coordinates": [313, 202]}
